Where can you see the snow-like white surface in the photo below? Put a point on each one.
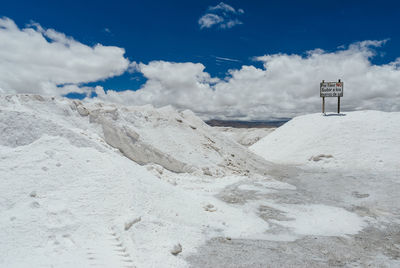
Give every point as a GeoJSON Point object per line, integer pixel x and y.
{"type": "Point", "coordinates": [73, 194]}
{"type": "Point", "coordinates": [68, 198]}
{"type": "Point", "coordinates": [65, 205]}
{"type": "Point", "coordinates": [319, 220]}
{"type": "Point", "coordinates": [354, 140]}
{"type": "Point", "coordinates": [178, 141]}
{"type": "Point", "coordinates": [273, 184]}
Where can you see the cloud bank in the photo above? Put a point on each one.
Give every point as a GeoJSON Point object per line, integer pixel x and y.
{"type": "Point", "coordinates": [44, 61]}
{"type": "Point", "coordinates": [222, 16]}
{"type": "Point", "coordinates": [47, 62]}
{"type": "Point", "coordinates": [286, 85]}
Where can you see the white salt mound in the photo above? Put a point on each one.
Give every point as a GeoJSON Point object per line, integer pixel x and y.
{"type": "Point", "coordinates": [354, 140]}
{"type": "Point", "coordinates": [177, 141]}
{"type": "Point", "coordinates": [70, 198]}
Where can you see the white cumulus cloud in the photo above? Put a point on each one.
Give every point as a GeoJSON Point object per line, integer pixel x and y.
{"type": "Point", "coordinates": [224, 7]}
{"type": "Point", "coordinates": [222, 15]}
{"type": "Point", "coordinates": [44, 61]}
{"type": "Point", "coordinates": [208, 20]}
{"type": "Point", "coordinates": [286, 85]}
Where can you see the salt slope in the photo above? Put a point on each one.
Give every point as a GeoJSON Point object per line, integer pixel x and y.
{"type": "Point", "coordinates": [67, 198]}
{"type": "Point", "coordinates": [368, 140]}
{"type": "Point", "coordinates": [64, 205]}
{"type": "Point", "coordinates": [178, 141]}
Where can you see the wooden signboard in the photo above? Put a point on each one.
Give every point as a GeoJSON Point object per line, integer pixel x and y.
{"type": "Point", "coordinates": [331, 89]}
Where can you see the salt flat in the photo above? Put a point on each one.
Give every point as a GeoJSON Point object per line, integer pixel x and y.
{"type": "Point", "coordinates": [104, 185]}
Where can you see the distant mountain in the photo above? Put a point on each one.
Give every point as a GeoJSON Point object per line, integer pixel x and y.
{"type": "Point", "coordinates": [247, 124]}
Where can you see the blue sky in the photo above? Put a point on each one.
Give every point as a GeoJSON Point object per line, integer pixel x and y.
{"type": "Point", "coordinates": [169, 30]}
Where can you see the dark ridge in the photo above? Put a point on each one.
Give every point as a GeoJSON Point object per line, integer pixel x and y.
{"type": "Point", "coordinates": [247, 124]}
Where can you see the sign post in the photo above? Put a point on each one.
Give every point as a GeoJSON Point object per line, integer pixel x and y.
{"type": "Point", "coordinates": [331, 89]}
